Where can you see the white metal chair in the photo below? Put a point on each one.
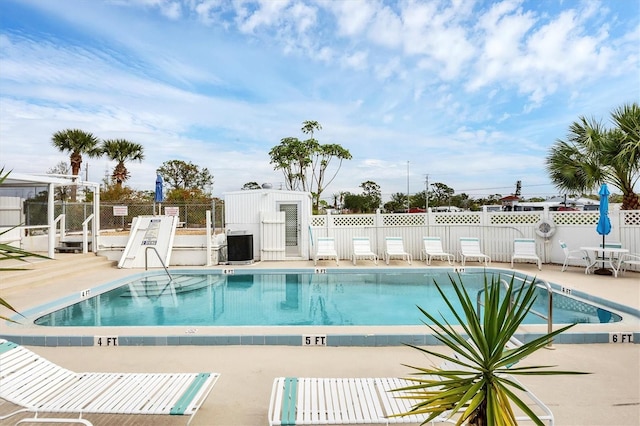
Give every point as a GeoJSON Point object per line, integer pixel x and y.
{"type": "Point", "coordinates": [626, 260]}
{"type": "Point", "coordinates": [470, 249]}
{"type": "Point", "coordinates": [432, 247]}
{"type": "Point", "coordinates": [362, 250]}
{"type": "Point", "coordinates": [394, 247]}
{"type": "Point", "coordinates": [40, 386]}
{"type": "Point", "coordinates": [525, 249]}
{"type": "Point", "coordinates": [326, 250]}
{"type": "Point", "coordinates": [574, 255]}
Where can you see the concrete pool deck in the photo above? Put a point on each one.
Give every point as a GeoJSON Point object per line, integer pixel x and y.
{"type": "Point", "coordinates": [609, 396]}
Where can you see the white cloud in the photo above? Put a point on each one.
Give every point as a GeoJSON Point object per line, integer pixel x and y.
{"type": "Point", "coordinates": [437, 83]}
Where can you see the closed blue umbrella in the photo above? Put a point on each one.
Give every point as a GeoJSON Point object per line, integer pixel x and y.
{"type": "Point", "coordinates": [158, 196]}
{"type": "Point", "coordinates": [604, 224]}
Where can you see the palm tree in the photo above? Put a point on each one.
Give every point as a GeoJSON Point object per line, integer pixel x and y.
{"type": "Point", "coordinates": [77, 142]}
{"type": "Point", "coordinates": [122, 150]}
{"type": "Point", "coordinates": [474, 383]}
{"type": "Point", "coordinates": [593, 154]}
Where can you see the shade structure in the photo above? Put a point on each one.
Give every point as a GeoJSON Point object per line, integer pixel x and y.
{"type": "Point", "coordinates": [604, 224]}
{"type": "Point", "coordinates": [158, 195]}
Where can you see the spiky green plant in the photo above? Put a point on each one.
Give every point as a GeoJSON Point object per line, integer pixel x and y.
{"type": "Point", "coordinates": [8, 252]}
{"type": "Point", "coordinates": [473, 385]}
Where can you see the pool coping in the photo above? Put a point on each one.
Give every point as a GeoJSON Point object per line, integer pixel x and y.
{"type": "Point", "coordinates": [369, 336]}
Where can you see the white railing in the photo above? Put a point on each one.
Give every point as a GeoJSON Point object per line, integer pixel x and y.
{"type": "Point", "coordinates": [85, 234]}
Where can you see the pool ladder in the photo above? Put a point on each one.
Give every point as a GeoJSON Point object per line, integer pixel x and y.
{"type": "Point", "coordinates": [538, 283]}
{"type": "Point", "coordinates": [146, 264]}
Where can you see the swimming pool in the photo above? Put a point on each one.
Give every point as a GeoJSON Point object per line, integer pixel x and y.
{"type": "Point", "coordinates": [292, 298]}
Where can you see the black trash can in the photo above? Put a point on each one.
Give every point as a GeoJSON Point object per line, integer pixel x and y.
{"type": "Point", "coordinates": [239, 248]}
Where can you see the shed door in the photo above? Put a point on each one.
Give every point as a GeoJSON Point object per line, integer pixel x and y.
{"type": "Point", "coordinates": [292, 228]}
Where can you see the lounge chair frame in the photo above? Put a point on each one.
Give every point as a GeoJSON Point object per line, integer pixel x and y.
{"type": "Point", "coordinates": [338, 401]}
{"type": "Point", "coordinates": [394, 247]}
{"type": "Point", "coordinates": [40, 386]}
{"type": "Point", "coordinates": [525, 249]}
{"type": "Point", "coordinates": [326, 250]}
{"type": "Point", "coordinates": [362, 250]}
{"type": "Point", "coordinates": [432, 248]}
{"type": "Point", "coordinates": [470, 250]}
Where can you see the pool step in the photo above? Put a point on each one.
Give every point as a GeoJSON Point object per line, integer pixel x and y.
{"type": "Point", "coordinates": [160, 286]}
{"type": "Point", "coordinates": [43, 271]}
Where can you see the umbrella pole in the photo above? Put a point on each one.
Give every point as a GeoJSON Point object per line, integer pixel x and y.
{"type": "Point", "coordinates": [602, 270]}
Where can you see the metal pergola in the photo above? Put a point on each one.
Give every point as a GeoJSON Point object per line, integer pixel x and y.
{"type": "Point", "coordinates": [20, 180]}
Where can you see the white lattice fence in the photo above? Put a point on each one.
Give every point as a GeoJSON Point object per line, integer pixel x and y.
{"type": "Point", "coordinates": [497, 230]}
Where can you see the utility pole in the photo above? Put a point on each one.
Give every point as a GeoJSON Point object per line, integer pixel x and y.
{"type": "Point", "coordinates": [426, 193]}
{"type": "Point", "coordinates": [408, 203]}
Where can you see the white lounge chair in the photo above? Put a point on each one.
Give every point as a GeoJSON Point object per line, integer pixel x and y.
{"type": "Point", "coordinates": [40, 386]}
{"type": "Point", "coordinates": [394, 247]}
{"type": "Point", "coordinates": [574, 255]}
{"type": "Point", "coordinates": [362, 250]}
{"type": "Point", "coordinates": [470, 249]}
{"type": "Point", "coordinates": [336, 401]}
{"type": "Point", "coordinates": [433, 248]}
{"type": "Point", "coordinates": [525, 249]}
{"type": "Point", "coordinates": [326, 250]}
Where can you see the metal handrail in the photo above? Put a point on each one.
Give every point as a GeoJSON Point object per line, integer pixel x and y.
{"type": "Point", "coordinates": [85, 231]}
{"type": "Point", "coordinates": [538, 283]}
{"type": "Point", "coordinates": [146, 267]}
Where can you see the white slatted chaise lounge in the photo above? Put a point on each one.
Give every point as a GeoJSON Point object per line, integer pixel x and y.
{"type": "Point", "coordinates": [470, 249]}
{"type": "Point", "coordinates": [432, 247]}
{"type": "Point", "coordinates": [394, 247]}
{"type": "Point", "coordinates": [337, 401]}
{"type": "Point", "coordinates": [341, 401]}
{"type": "Point", "coordinates": [525, 249]}
{"type": "Point", "coordinates": [362, 250]}
{"type": "Point", "coordinates": [40, 386]}
{"type": "Point", "coordinates": [326, 250]}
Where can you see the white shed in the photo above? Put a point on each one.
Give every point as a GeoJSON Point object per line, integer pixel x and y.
{"type": "Point", "coordinates": [278, 221]}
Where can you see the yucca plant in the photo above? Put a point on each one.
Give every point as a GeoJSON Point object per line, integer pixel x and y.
{"type": "Point", "coordinates": [472, 385]}
{"type": "Point", "coordinates": [8, 252]}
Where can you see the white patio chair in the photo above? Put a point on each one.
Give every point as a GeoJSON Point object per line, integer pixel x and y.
{"type": "Point", "coordinates": [362, 250]}
{"type": "Point", "coordinates": [39, 386]}
{"type": "Point", "coordinates": [432, 247]}
{"type": "Point", "coordinates": [626, 260]}
{"type": "Point", "coordinates": [326, 250]}
{"type": "Point", "coordinates": [525, 249]}
{"type": "Point", "coordinates": [394, 247]}
{"type": "Point", "coordinates": [574, 255]}
{"type": "Point", "coordinates": [470, 249]}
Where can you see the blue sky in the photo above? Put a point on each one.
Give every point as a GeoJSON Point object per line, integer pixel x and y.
{"type": "Point", "coordinates": [470, 93]}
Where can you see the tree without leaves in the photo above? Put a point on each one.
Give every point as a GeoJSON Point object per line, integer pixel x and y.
{"type": "Point", "coordinates": [62, 193]}
{"type": "Point", "coordinates": [122, 150]}
{"type": "Point", "coordinates": [77, 142]}
{"type": "Point", "coordinates": [593, 154]}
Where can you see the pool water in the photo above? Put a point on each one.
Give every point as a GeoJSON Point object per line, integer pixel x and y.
{"type": "Point", "coordinates": [292, 299]}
